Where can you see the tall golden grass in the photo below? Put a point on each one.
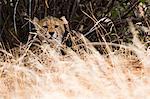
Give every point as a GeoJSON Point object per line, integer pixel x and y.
{"type": "Point", "coordinates": [120, 74]}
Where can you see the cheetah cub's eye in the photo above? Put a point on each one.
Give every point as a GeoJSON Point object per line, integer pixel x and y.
{"type": "Point", "coordinates": [56, 26]}
{"type": "Point", "coordinates": [45, 26]}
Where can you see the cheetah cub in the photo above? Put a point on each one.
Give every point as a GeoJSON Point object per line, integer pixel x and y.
{"type": "Point", "coordinates": [56, 31]}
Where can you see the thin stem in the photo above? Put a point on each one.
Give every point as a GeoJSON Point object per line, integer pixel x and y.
{"type": "Point", "coordinates": [14, 16]}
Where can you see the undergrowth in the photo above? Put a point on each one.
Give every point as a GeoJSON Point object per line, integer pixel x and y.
{"type": "Point", "coordinates": [118, 74]}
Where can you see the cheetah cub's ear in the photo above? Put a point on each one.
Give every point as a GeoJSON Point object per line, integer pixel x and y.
{"type": "Point", "coordinates": [65, 22]}
{"type": "Point", "coordinates": [35, 22]}
{"type": "Point", "coordinates": [35, 19]}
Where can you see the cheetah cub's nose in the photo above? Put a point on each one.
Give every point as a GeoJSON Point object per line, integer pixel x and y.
{"type": "Point", "coordinates": [51, 33]}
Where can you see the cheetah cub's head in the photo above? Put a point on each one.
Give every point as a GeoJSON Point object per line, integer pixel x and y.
{"type": "Point", "coordinates": [51, 27]}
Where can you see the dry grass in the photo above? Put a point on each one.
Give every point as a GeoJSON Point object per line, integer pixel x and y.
{"type": "Point", "coordinates": [120, 74]}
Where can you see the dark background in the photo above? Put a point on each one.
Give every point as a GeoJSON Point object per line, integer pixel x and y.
{"type": "Point", "coordinates": [74, 11]}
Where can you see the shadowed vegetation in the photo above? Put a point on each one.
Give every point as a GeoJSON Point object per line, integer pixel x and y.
{"type": "Point", "coordinates": [82, 15]}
